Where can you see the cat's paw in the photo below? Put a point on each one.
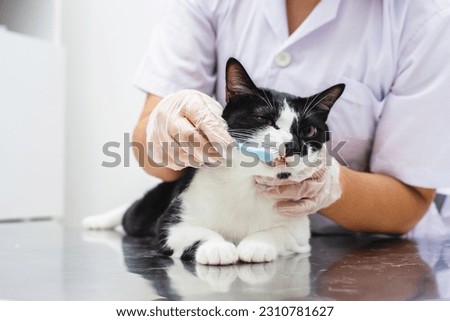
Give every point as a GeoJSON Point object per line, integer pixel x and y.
{"type": "Point", "coordinates": [303, 249]}
{"type": "Point", "coordinates": [216, 253]}
{"type": "Point", "coordinates": [256, 251]}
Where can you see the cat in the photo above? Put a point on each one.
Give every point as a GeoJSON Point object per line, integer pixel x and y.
{"type": "Point", "coordinates": [214, 215]}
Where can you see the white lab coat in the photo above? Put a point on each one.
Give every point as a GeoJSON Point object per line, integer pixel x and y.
{"type": "Point", "coordinates": [393, 57]}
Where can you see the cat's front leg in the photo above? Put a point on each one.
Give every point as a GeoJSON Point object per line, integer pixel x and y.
{"type": "Point", "coordinates": [266, 245]}
{"type": "Point", "coordinates": [202, 244]}
{"type": "Point", "coordinates": [256, 250]}
{"type": "Point", "coordinates": [217, 252]}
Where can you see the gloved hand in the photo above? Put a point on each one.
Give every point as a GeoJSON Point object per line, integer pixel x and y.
{"type": "Point", "coordinates": [308, 192]}
{"type": "Point", "coordinates": [186, 129]}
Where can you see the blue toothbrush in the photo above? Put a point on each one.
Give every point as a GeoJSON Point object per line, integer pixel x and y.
{"type": "Point", "coordinates": [264, 154]}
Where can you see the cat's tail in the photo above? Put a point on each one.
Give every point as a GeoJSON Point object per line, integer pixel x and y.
{"type": "Point", "coordinates": [105, 221]}
{"type": "Point", "coordinates": [140, 217]}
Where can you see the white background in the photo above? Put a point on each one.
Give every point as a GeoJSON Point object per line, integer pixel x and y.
{"type": "Point", "coordinates": [100, 44]}
{"type": "Point", "coordinates": [105, 41]}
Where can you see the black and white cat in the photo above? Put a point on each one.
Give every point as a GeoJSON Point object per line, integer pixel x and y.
{"type": "Point", "coordinates": [214, 214]}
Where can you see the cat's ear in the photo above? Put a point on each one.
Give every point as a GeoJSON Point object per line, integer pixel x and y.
{"type": "Point", "coordinates": [238, 82]}
{"type": "Point", "coordinates": [326, 99]}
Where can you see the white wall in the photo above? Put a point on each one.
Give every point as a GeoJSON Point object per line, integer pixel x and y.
{"type": "Point", "coordinates": [32, 129]}
{"type": "Point", "coordinates": [37, 18]}
{"type": "Point", "coordinates": [105, 41]}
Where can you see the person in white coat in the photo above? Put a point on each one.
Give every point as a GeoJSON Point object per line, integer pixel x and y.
{"type": "Point", "coordinates": [393, 57]}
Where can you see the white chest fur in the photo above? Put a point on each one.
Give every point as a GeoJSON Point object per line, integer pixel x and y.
{"type": "Point", "coordinates": [225, 200]}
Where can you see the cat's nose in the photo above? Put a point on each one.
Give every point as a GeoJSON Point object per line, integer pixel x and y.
{"type": "Point", "coordinates": [288, 149]}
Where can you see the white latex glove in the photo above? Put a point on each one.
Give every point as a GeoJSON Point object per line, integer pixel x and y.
{"type": "Point", "coordinates": [310, 191]}
{"type": "Point", "coordinates": [186, 130]}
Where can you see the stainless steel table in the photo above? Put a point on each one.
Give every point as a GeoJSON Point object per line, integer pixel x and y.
{"type": "Point", "coordinates": [49, 261]}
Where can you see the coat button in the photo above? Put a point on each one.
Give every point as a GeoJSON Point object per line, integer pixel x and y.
{"type": "Point", "coordinates": [283, 59]}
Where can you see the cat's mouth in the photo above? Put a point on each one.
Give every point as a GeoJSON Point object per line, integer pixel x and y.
{"type": "Point", "coordinates": [281, 161]}
{"type": "Point", "coordinates": [286, 167]}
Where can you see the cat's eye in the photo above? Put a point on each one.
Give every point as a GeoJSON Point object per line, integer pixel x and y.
{"type": "Point", "coordinates": [309, 131]}
{"type": "Point", "coordinates": [267, 121]}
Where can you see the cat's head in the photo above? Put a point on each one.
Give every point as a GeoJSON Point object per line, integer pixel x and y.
{"type": "Point", "coordinates": [295, 126]}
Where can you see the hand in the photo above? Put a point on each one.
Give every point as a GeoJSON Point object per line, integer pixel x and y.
{"type": "Point", "coordinates": [186, 129]}
{"type": "Point", "coordinates": [310, 191]}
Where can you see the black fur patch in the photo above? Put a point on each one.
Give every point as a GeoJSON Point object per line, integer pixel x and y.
{"type": "Point", "coordinates": [140, 219]}
{"type": "Point", "coordinates": [189, 253]}
{"type": "Point", "coordinates": [157, 210]}
{"type": "Point", "coordinates": [170, 217]}
{"type": "Point", "coordinates": [172, 214]}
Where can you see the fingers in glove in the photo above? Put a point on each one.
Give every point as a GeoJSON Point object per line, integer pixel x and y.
{"type": "Point", "coordinates": [273, 181]}
{"type": "Point", "coordinates": [297, 191]}
{"type": "Point", "coordinates": [302, 207]}
{"type": "Point", "coordinates": [193, 147]}
{"type": "Point", "coordinates": [209, 122]}
{"type": "Point", "coordinates": [317, 174]}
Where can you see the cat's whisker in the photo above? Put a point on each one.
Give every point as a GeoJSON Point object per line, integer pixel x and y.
{"type": "Point", "coordinates": [309, 104]}
{"type": "Point", "coordinates": [242, 130]}
{"type": "Point", "coordinates": [313, 104]}
{"type": "Point", "coordinates": [266, 100]}
{"type": "Point", "coordinates": [242, 133]}
{"type": "Point", "coordinates": [311, 113]}
{"type": "Point", "coordinates": [239, 132]}
{"type": "Point", "coordinates": [311, 110]}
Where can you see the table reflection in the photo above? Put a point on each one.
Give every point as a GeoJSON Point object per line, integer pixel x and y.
{"type": "Point", "coordinates": [173, 279]}
{"type": "Point", "coordinates": [338, 268]}
{"type": "Point", "coordinates": [380, 270]}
